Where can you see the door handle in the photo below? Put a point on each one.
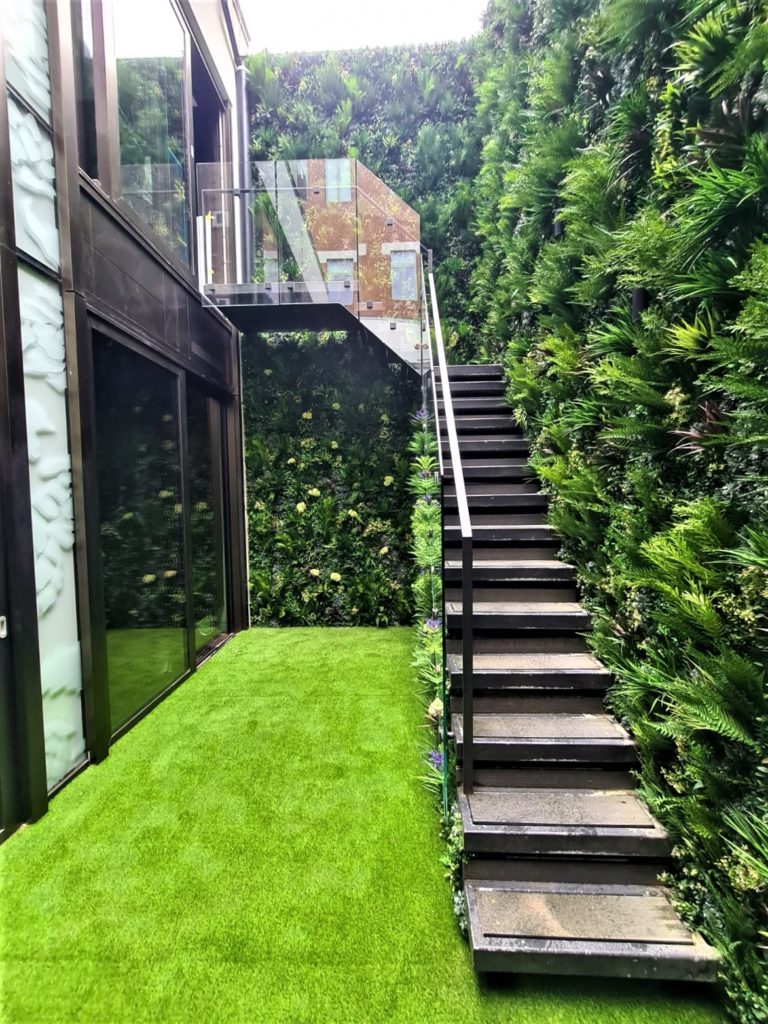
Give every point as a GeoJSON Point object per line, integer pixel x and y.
{"type": "Point", "coordinates": [3, 627]}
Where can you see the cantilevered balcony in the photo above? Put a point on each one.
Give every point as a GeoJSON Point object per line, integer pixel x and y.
{"type": "Point", "coordinates": [312, 244]}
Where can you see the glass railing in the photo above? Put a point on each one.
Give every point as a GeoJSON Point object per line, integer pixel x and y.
{"type": "Point", "coordinates": [314, 232]}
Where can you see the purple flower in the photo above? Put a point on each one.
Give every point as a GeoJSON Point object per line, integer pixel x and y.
{"type": "Point", "coordinates": [424, 474]}
{"type": "Point", "coordinates": [436, 759]}
{"type": "Point", "coordinates": [420, 416]}
{"type": "Point", "coordinates": [433, 623]}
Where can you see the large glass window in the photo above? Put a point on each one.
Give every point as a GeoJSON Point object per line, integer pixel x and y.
{"type": "Point", "coordinates": [82, 29]}
{"type": "Point", "coordinates": [150, 49]}
{"type": "Point", "coordinates": [403, 267]}
{"type": "Point", "coordinates": [207, 530]}
{"type": "Point", "coordinates": [338, 180]}
{"type": "Point", "coordinates": [140, 505]}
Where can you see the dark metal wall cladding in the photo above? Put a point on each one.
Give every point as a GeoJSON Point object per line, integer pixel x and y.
{"type": "Point", "coordinates": [127, 282]}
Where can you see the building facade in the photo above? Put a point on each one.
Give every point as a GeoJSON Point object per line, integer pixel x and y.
{"type": "Point", "coordinates": [136, 242]}
{"type": "Point", "coordinates": [122, 553]}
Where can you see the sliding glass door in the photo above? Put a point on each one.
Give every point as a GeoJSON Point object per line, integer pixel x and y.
{"type": "Point", "coordinates": [8, 809]}
{"type": "Point", "coordinates": [142, 526]}
{"type": "Point", "coordinates": [207, 521]}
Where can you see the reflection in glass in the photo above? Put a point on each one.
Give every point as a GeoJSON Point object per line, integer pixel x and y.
{"type": "Point", "coordinates": [206, 492]}
{"type": "Point", "coordinates": [150, 46]}
{"type": "Point", "coordinates": [141, 527]}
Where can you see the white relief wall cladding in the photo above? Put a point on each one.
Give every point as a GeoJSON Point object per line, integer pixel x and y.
{"type": "Point", "coordinates": [34, 195]}
{"type": "Point", "coordinates": [26, 53]}
{"type": "Point", "coordinates": [45, 386]}
{"type": "Point", "coordinates": [42, 330]}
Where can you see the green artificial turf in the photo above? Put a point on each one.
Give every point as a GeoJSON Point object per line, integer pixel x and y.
{"type": "Point", "coordinates": [259, 849]}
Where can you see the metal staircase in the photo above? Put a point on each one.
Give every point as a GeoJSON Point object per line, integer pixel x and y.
{"type": "Point", "coordinates": [563, 858]}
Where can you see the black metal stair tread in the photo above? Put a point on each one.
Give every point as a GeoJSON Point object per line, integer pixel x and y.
{"type": "Point", "coordinates": [558, 808]}
{"type": "Point", "coordinates": [482, 462]}
{"type": "Point", "coordinates": [508, 557]}
{"type": "Point", "coordinates": [483, 386]}
{"type": "Point", "coordinates": [494, 593]}
{"type": "Point", "coordinates": [502, 421]}
{"type": "Point", "coordinates": [627, 931]}
{"type": "Point", "coordinates": [546, 728]}
{"type": "Point", "coordinates": [505, 519]}
{"type": "Point", "coordinates": [470, 371]}
{"type": "Point", "coordinates": [522, 609]}
{"type": "Point", "coordinates": [529, 663]}
{"type": "Point", "coordinates": [481, 490]}
{"type": "Point", "coordinates": [490, 440]}
{"type": "Point", "coordinates": [475, 403]}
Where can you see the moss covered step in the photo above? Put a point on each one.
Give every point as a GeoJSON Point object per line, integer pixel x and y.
{"type": "Point", "coordinates": [567, 819]}
{"type": "Point", "coordinates": [537, 737]}
{"type": "Point", "coordinates": [626, 931]}
{"type": "Point", "coordinates": [508, 496]}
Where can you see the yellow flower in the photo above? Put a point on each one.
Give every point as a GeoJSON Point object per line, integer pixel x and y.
{"type": "Point", "coordinates": [335, 577]}
{"type": "Point", "coordinates": [306, 415]}
{"type": "Point", "coordinates": [352, 514]}
{"type": "Point", "coordinates": [435, 709]}
{"type": "Point", "coordinates": [127, 515]}
{"type": "Point", "coordinates": [149, 578]}
{"type": "Point", "coordinates": [301, 507]}
{"type": "Point", "coordinates": [384, 550]}
{"type": "Point", "coordinates": [291, 462]}
{"type": "Point", "coordinates": [169, 574]}
{"type": "Point", "coordinates": [388, 481]}
{"type": "Point", "coordinates": [336, 407]}
{"type": "Point", "coordinates": [178, 509]}
{"type": "Point", "coordinates": [334, 445]}
{"type": "Point", "coordinates": [267, 372]}
{"type": "Point", "coordinates": [165, 494]}
{"type": "Point", "coordinates": [314, 493]}
{"type": "Point", "coordinates": [314, 572]}
{"type": "Point", "coordinates": [201, 506]}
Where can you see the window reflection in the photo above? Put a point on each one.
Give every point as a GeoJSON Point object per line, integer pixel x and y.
{"type": "Point", "coordinates": [137, 449]}
{"type": "Point", "coordinates": [150, 51]}
{"type": "Point", "coordinates": [207, 534]}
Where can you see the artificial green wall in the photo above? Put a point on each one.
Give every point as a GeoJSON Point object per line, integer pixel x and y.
{"type": "Point", "coordinates": [625, 161]}
{"type": "Point", "coordinates": [327, 423]}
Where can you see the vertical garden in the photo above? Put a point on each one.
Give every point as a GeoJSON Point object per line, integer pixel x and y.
{"type": "Point", "coordinates": [593, 175]}
{"type": "Point", "coordinates": [326, 435]}
{"type": "Point", "coordinates": [621, 207]}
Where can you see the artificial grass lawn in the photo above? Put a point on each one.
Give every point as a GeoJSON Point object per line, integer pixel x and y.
{"type": "Point", "coordinates": [259, 849]}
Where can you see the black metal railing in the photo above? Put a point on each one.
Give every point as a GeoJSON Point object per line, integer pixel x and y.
{"type": "Point", "coordinates": [465, 530]}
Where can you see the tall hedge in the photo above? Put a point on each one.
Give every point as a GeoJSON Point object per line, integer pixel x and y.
{"type": "Point", "coordinates": [622, 206]}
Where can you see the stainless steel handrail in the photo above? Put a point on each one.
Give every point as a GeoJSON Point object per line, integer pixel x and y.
{"type": "Point", "coordinates": [465, 530]}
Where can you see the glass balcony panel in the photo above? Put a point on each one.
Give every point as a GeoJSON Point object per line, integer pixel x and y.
{"type": "Point", "coordinates": [390, 267]}
{"type": "Point", "coordinates": [317, 232]}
